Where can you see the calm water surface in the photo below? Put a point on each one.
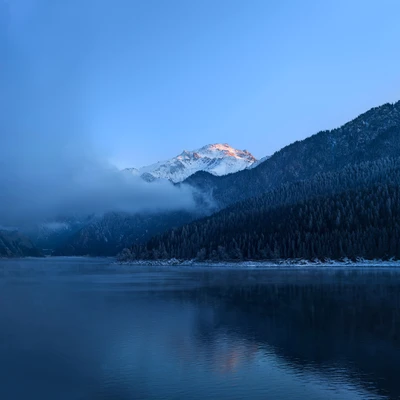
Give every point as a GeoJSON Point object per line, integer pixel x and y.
{"type": "Point", "coordinates": [86, 329]}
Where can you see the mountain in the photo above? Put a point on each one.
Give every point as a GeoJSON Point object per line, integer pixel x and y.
{"type": "Point", "coordinates": [109, 234]}
{"type": "Point", "coordinates": [14, 244]}
{"type": "Point", "coordinates": [371, 136]}
{"type": "Point", "coordinates": [53, 234]}
{"type": "Point", "coordinates": [360, 153]}
{"type": "Point", "coordinates": [258, 162]}
{"type": "Point", "coordinates": [355, 223]}
{"type": "Point", "coordinates": [335, 194]}
{"type": "Point", "coordinates": [217, 159]}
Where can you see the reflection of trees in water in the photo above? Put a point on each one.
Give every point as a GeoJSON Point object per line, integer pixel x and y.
{"type": "Point", "coordinates": [203, 345]}
{"type": "Point", "coordinates": [224, 354]}
{"type": "Point", "coordinates": [349, 319]}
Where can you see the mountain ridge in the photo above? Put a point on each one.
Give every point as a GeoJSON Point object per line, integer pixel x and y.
{"type": "Point", "coordinates": [334, 194]}
{"type": "Point", "coordinates": [15, 244]}
{"type": "Point", "coordinates": [218, 159]}
{"type": "Point", "coordinates": [370, 136]}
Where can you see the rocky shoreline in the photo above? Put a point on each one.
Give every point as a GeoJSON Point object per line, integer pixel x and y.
{"type": "Point", "coordinates": [264, 264]}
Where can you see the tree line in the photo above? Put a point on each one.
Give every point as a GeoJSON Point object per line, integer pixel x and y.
{"type": "Point", "coordinates": [352, 213]}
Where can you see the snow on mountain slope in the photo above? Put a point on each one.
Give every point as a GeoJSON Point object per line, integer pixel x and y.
{"type": "Point", "coordinates": [217, 159]}
{"type": "Point", "coordinates": [258, 162]}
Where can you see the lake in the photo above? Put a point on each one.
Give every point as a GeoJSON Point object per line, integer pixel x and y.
{"type": "Point", "coordinates": [86, 329]}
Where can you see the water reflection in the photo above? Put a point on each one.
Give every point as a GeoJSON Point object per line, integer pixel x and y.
{"type": "Point", "coordinates": [96, 333]}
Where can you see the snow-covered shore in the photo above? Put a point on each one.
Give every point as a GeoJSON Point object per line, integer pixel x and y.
{"type": "Point", "coordinates": [265, 264]}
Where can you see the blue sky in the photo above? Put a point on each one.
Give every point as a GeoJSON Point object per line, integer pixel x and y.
{"type": "Point", "coordinates": [143, 80]}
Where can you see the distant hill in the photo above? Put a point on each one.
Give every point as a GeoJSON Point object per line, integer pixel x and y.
{"type": "Point", "coordinates": [355, 156]}
{"type": "Point", "coordinates": [14, 244]}
{"type": "Point", "coordinates": [108, 234]}
{"type": "Point", "coordinates": [352, 210]}
{"type": "Point", "coordinates": [354, 223]}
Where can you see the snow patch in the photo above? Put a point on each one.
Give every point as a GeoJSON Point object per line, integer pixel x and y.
{"type": "Point", "coordinates": [217, 159]}
{"type": "Point", "coordinates": [292, 263]}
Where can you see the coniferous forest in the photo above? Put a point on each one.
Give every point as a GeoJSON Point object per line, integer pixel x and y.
{"type": "Point", "coordinates": [331, 196]}
{"type": "Point", "coordinates": [352, 213]}
{"type": "Point", "coordinates": [247, 214]}
{"type": "Point", "coordinates": [264, 211]}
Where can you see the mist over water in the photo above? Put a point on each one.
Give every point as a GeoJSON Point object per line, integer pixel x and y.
{"type": "Point", "coordinates": [85, 329]}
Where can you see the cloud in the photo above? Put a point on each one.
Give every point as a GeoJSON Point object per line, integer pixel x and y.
{"type": "Point", "coordinates": [47, 163]}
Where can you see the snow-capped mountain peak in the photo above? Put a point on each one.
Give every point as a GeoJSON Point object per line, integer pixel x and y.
{"type": "Point", "coordinates": [217, 159]}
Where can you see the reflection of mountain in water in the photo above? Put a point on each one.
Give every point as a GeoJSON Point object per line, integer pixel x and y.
{"type": "Point", "coordinates": [190, 333]}
{"type": "Point", "coordinates": [314, 320]}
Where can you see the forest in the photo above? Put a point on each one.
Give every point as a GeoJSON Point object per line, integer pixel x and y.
{"type": "Point", "coordinates": [354, 212]}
